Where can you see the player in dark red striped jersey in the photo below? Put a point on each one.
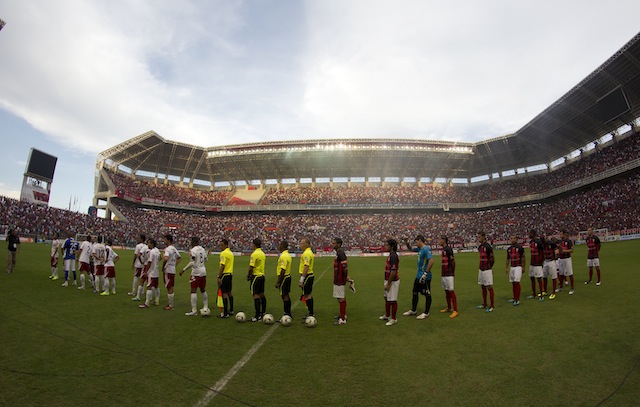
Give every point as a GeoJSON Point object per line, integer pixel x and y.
{"type": "Point", "coordinates": [515, 264]}
{"type": "Point", "coordinates": [340, 279]}
{"type": "Point", "coordinates": [391, 283]}
{"type": "Point", "coordinates": [536, 247]}
{"type": "Point", "coordinates": [485, 272]}
{"type": "Point", "coordinates": [448, 273]}
{"type": "Point", "coordinates": [550, 268]}
{"type": "Point", "coordinates": [593, 255]}
{"type": "Point", "coordinates": [565, 265]}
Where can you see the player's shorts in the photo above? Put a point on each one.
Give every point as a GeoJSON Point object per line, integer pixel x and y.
{"type": "Point", "coordinates": [536, 271]}
{"type": "Point", "coordinates": [307, 285]}
{"type": "Point", "coordinates": [392, 294]}
{"type": "Point", "coordinates": [86, 267]}
{"type": "Point", "coordinates": [70, 265]}
{"type": "Point", "coordinates": [339, 291]}
{"type": "Point", "coordinates": [226, 283]}
{"type": "Point", "coordinates": [447, 283]}
{"type": "Point", "coordinates": [110, 271]}
{"type": "Point", "coordinates": [169, 280]}
{"type": "Point", "coordinates": [198, 282]}
{"type": "Point", "coordinates": [566, 267]}
{"type": "Point", "coordinates": [152, 282]}
{"type": "Point", "coordinates": [550, 269]}
{"type": "Point", "coordinates": [515, 274]}
{"type": "Point", "coordinates": [485, 277]}
{"type": "Point", "coordinates": [593, 262]}
{"type": "Point", "coordinates": [257, 285]}
{"type": "Point", "coordinates": [54, 261]}
{"type": "Point", "coordinates": [99, 269]}
{"type": "Point", "coordinates": [285, 287]}
{"type": "Point", "coordinates": [137, 272]}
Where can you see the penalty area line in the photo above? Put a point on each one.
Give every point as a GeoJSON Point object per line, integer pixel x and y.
{"type": "Point", "coordinates": [222, 383]}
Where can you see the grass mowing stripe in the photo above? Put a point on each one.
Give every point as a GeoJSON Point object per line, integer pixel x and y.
{"type": "Point", "coordinates": [220, 385]}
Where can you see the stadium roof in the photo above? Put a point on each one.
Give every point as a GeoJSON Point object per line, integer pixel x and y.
{"type": "Point", "coordinates": [570, 123]}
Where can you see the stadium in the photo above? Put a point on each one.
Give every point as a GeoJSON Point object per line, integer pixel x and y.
{"type": "Point", "coordinates": [572, 167]}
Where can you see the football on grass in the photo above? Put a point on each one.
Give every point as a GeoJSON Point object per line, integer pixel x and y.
{"type": "Point", "coordinates": [310, 322]}
{"type": "Point", "coordinates": [240, 317]}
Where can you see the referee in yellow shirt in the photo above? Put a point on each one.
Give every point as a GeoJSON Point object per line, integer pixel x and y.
{"type": "Point", "coordinates": [256, 277]}
{"type": "Point", "coordinates": [225, 278]}
{"type": "Point", "coordinates": [306, 274]}
{"type": "Point", "coordinates": [283, 271]}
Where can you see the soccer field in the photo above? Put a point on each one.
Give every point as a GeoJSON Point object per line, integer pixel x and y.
{"type": "Point", "coordinates": [65, 347]}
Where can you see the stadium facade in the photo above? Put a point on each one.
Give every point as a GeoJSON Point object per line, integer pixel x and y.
{"type": "Point", "coordinates": [600, 110]}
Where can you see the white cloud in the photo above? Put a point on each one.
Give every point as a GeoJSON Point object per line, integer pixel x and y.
{"type": "Point", "coordinates": [93, 74]}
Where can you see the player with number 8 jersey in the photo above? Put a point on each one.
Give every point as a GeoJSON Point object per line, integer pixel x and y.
{"type": "Point", "coordinates": [198, 278]}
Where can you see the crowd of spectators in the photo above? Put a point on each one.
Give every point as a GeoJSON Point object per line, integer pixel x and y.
{"type": "Point", "coordinates": [166, 194]}
{"type": "Point", "coordinates": [614, 205]}
{"type": "Point", "coordinates": [596, 162]}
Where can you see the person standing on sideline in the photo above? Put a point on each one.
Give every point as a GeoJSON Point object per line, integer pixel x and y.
{"type": "Point", "coordinates": [515, 264]}
{"type": "Point", "coordinates": [69, 249]}
{"type": "Point", "coordinates": [170, 259]}
{"type": "Point", "coordinates": [306, 274]}
{"type": "Point", "coordinates": [153, 275]}
{"type": "Point", "coordinates": [448, 274]}
{"type": "Point", "coordinates": [422, 283]}
{"type": "Point", "coordinates": [564, 262]}
{"type": "Point", "coordinates": [536, 248]}
{"type": "Point", "coordinates": [283, 271]}
{"type": "Point", "coordinates": [137, 264]}
{"type": "Point", "coordinates": [257, 280]}
{"type": "Point", "coordinates": [55, 252]}
{"type": "Point", "coordinates": [550, 268]}
{"type": "Point", "coordinates": [391, 283]}
{"type": "Point", "coordinates": [110, 269]}
{"type": "Point", "coordinates": [593, 255]}
{"type": "Point", "coordinates": [13, 248]}
{"type": "Point", "coordinates": [198, 276]}
{"type": "Point", "coordinates": [225, 278]}
{"type": "Point", "coordinates": [340, 279]}
{"type": "Point", "coordinates": [485, 272]}
{"type": "Point", "coordinates": [85, 260]}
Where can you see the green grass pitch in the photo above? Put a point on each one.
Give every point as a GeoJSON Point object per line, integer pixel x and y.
{"type": "Point", "coordinates": [65, 347]}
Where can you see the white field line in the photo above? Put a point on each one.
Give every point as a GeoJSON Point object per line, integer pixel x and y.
{"type": "Point", "coordinates": [221, 384]}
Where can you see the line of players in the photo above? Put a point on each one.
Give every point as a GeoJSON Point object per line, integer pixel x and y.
{"type": "Point", "coordinates": [95, 259]}
{"type": "Point", "coordinates": [549, 259]}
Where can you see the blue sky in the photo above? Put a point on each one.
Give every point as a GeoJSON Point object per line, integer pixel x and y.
{"type": "Point", "coordinates": [79, 76]}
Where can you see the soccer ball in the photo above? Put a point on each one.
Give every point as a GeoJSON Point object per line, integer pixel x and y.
{"type": "Point", "coordinates": [241, 317]}
{"type": "Point", "coordinates": [285, 320]}
{"type": "Point", "coordinates": [311, 321]}
{"type": "Point", "coordinates": [268, 319]}
{"type": "Point", "coordinates": [205, 312]}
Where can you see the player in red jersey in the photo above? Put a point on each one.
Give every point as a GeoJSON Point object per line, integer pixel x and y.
{"type": "Point", "coordinates": [485, 272]}
{"type": "Point", "coordinates": [515, 264]}
{"type": "Point", "coordinates": [391, 283]}
{"type": "Point", "coordinates": [448, 273]}
{"type": "Point", "coordinates": [340, 279]}
{"type": "Point", "coordinates": [593, 255]}
{"type": "Point", "coordinates": [550, 268]}
{"type": "Point", "coordinates": [536, 272]}
{"type": "Point", "coordinates": [565, 265]}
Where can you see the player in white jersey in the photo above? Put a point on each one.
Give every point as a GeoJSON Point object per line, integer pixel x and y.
{"type": "Point", "coordinates": [151, 270]}
{"type": "Point", "coordinates": [143, 275]}
{"type": "Point", "coordinates": [85, 261]}
{"type": "Point", "coordinates": [110, 269]}
{"type": "Point", "coordinates": [99, 254]}
{"type": "Point", "coordinates": [171, 260]}
{"type": "Point", "coordinates": [198, 275]}
{"type": "Point", "coordinates": [137, 263]}
{"type": "Point", "coordinates": [55, 246]}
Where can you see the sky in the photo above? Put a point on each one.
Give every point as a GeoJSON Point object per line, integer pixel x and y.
{"type": "Point", "coordinates": [80, 76]}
